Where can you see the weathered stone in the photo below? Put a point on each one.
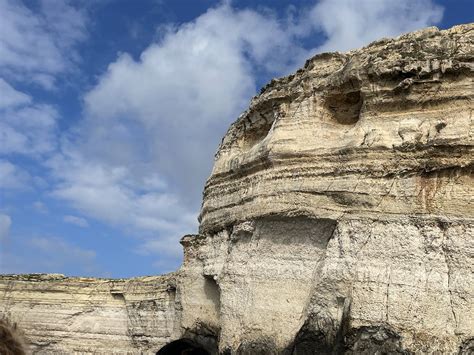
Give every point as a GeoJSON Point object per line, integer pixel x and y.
{"type": "Point", "coordinates": [339, 218]}
{"type": "Point", "coordinates": [65, 315]}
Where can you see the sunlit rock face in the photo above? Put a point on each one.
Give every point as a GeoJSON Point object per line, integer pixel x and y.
{"type": "Point", "coordinates": [61, 315]}
{"type": "Point", "coordinates": [382, 131]}
{"type": "Point", "coordinates": [339, 215]}
{"type": "Point", "coordinates": [338, 219]}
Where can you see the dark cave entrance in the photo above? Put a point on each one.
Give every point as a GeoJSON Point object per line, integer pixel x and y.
{"type": "Point", "coordinates": [183, 347]}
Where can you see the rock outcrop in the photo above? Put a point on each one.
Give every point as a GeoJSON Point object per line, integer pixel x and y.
{"type": "Point", "coordinates": [69, 315]}
{"type": "Point", "coordinates": [338, 218]}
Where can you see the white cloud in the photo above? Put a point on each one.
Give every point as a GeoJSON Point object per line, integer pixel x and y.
{"type": "Point", "coordinates": [5, 224]}
{"type": "Point", "coordinates": [28, 130]}
{"type": "Point", "coordinates": [9, 97]}
{"type": "Point", "coordinates": [349, 24]}
{"type": "Point", "coordinates": [78, 221]}
{"type": "Point", "coordinates": [12, 176]}
{"type": "Point", "coordinates": [111, 194]}
{"type": "Point", "coordinates": [166, 112]}
{"type": "Point", "coordinates": [152, 125]}
{"type": "Point", "coordinates": [37, 46]}
{"type": "Point", "coordinates": [40, 207]}
{"type": "Point", "coordinates": [25, 127]}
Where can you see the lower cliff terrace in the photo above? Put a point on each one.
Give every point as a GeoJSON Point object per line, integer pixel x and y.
{"type": "Point", "coordinates": [338, 219]}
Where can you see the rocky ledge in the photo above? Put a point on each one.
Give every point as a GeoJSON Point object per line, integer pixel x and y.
{"type": "Point", "coordinates": [338, 218]}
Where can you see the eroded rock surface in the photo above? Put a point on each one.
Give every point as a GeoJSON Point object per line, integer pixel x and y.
{"type": "Point", "coordinates": [339, 218]}
{"type": "Point", "coordinates": [69, 315]}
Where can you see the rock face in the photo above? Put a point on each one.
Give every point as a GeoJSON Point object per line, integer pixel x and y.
{"type": "Point", "coordinates": [68, 315]}
{"type": "Point", "coordinates": [339, 218]}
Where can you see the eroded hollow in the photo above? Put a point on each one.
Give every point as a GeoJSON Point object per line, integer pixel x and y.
{"type": "Point", "coordinates": [181, 347]}
{"type": "Point", "coordinates": [212, 291]}
{"type": "Point", "coordinates": [255, 135]}
{"type": "Point", "coordinates": [344, 106]}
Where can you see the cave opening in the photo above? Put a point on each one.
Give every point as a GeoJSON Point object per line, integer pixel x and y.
{"type": "Point", "coordinates": [183, 347]}
{"type": "Point", "coordinates": [345, 102]}
{"type": "Point", "coordinates": [345, 108]}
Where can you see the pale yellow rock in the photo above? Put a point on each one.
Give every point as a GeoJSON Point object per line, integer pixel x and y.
{"type": "Point", "coordinates": [385, 130]}
{"type": "Point", "coordinates": [84, 315]}
{"type": "Point", "coordinates": [338, 218]}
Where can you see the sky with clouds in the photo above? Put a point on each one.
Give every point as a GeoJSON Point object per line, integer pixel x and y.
{"type": "Point", "coordinates": [111, 112]}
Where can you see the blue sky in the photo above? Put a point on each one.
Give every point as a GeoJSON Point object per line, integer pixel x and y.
{"type": "Point", "coordinates": [111, 111]}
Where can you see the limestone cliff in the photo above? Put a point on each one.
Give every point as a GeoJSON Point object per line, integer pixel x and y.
{"type": "Point", "coordinates": [338, 218]}
{"type": "Point", "coordinates": [67, 315]}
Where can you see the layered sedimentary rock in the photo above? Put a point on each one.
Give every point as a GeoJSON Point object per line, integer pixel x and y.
{"type": "Point", "coordinates": [58, 314]}
{"type": "Point", "coordinates": [339, 213]}
{"type": "Point", "coordinates": [338, 218]}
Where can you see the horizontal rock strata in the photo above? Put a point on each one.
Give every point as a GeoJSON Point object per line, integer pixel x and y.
{"type": "Point", "coordinates": [385, 130]}
{"type": "Point", "coordinates": [59, 314]}
{"type": "Point", "coordinates": [339, 216]}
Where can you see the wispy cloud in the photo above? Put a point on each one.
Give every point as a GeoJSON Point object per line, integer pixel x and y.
{"type": "Point", "coordinates": [58, 246]}
{"type": "Point", "coordinates": [114, 195]}
{"type": "Point", "coordinates": [48, 255]}
{"type": "Point", "coordinates": [349, 24]}
{"type": "Point", "coordinates": [13, 177]}
{"type": "Point", "coordinates": [78, 221]}
{"type": "Point", "coordinates": [40, 207]}
{"type": "Point", "coordinates": [10, 97]}
{"type": "Point", "coordinates": [29, 130]}
{"type": "Point", "coordinates": [5, 223]}
{"type": "Point", "coordinates": [37, 46]}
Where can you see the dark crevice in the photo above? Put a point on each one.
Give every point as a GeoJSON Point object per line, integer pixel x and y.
{"type": "Point", "coordinates": [467, 347]}
{"type": "Point", "coordinates": [321, 335]}
{"type": "Point", "coordinates": [183, 347]}
{"type": "Point", "coordinates": [345, 108]}
{"type": "Point", "coordinates": [345, 102]}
